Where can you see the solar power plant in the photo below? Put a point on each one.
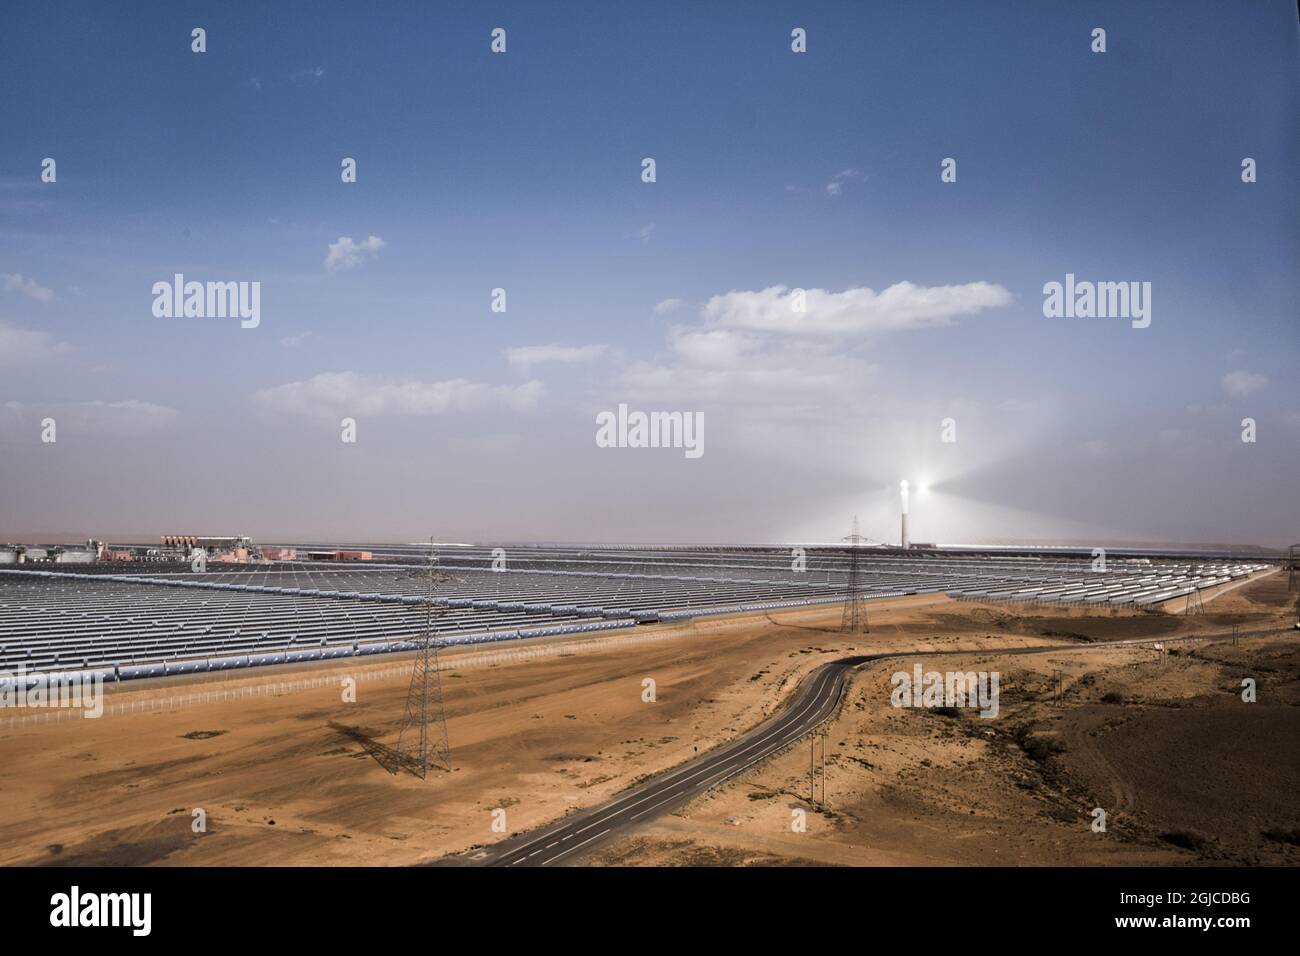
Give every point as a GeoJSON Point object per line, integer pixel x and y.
{"type": "Point", "coordinates": [153, 620]}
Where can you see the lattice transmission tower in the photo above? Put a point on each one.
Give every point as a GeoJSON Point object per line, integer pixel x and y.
{"type": "Point", "coordinates": [1293, 568]}
{"type": "Point", "coordinates": [854, 620]}
{"type": "Point", "coordinates": [422, 740]}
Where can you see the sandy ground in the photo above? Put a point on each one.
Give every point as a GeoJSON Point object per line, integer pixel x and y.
{"type": "Point", "coordinates": [299, 777]}
{"type": "Point", "coordinates": [1186, 772]}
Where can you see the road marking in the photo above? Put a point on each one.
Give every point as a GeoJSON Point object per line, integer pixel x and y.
{"type": "Point", "coordinates": [722, 751]}
{"type": "Point", "coordinates": [731, 771]}
{"type": "Point", "coordinates": [712, 765]}
{"type": "Point", "coordinates": [725, 754]}
{"type": "Point", "coordinates": [576, 846]}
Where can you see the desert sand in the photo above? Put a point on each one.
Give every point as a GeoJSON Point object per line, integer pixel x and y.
{"type": "Point", "coordinates": [299, 777]}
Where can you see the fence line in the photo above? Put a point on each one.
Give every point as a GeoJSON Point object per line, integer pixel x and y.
{"type": "Point", "coordinates": [245, 691]}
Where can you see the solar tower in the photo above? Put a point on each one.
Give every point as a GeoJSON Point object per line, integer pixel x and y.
{"type": "Point", "coordinates": [903, 493]}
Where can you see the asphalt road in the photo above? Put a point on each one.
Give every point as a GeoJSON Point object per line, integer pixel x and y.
{"type": "Point", "coordinates": [815, 699]}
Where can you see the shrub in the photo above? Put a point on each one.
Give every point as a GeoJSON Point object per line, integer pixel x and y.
{"type": "Point", "coordinates": [1040, 749]}
{"type": "Point", "coordinates": [1186, 839]}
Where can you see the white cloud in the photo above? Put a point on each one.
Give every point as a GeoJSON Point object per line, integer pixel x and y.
{"type": "Point", "coordinates": [525, 357]}
{"type": "Point", "coordinates": [836, 186]}
{"type": "Point", "coordinates": [776, 376]}
{"type": "Point", "coordinates": [752, 348]}
{"type": "Point", "coordinates": [853, 312]}
{"type": "Point", "coordinates": [346, 254]}
{"type": "Point", "coordinates": [669, 305]}
{"type": "Point", "coordinates": [15, 282]}
{"type": "Point", "coordinates": [19, 346]}
{"type": "Point", "coordinates": [123, 419]}
{"type": "Point", "coordinates": [740, 367]}
{"type": "Point", "coordinates": [312, 75]}
{"type": "Point", "coordinates": [1240, 383]}
{"type": "Point", "coordinates": [293, 341]}
{"type": "Point", "coordinates": [643, 233]}
{"type": "Point", "coordinates": [336, 394]}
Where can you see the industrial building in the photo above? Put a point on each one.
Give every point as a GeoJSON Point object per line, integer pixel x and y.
{"type": "Point", "coordinates": [88, 553]}
{"type": "Point", "coordinates": [222, 549]}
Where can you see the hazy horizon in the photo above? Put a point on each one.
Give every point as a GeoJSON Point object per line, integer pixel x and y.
{"type": "Point", "coordinates": [64, 538]}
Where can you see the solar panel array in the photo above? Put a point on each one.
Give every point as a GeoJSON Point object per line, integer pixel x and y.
{"type": "Point", "coordinates": [151, 621]}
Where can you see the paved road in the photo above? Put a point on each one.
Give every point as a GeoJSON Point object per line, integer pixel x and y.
{"type": "Point", "coordinates": [815, 699]}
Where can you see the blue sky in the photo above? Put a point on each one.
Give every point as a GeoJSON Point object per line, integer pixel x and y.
{"type": "Point", "coordinates": [522, 171]}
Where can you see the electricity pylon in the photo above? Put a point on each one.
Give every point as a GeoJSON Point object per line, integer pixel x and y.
{"type": "Point", "coordinates": [854, 620]}
{"type": "Point", "coordinates": [422, 740]}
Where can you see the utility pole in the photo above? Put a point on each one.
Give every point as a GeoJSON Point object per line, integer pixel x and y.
{"type": "Point", "coordinates": [425, 714]}
{"type": "Point", "coordinates": [854, 620]}
{"type": "Point", "coordinates": [818, 733]}
{"type": "Point", "coordinates": [812, 764]}
{"type": "Point", "coordinates": [1293, 576]}
{"type": "Point", "coordinates": [824, 735]}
